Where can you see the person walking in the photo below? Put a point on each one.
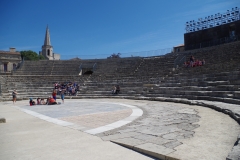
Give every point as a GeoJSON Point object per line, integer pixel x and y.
{"type": "Point", "coordinates": [62, 94]}
{"type": "Point", "coordinates": [14, 95]}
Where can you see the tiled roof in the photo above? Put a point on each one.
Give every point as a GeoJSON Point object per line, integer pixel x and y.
{"type": "Point", "coordinates": [7, 52]}
{"type": "Point", "coordinates": [180, 45]}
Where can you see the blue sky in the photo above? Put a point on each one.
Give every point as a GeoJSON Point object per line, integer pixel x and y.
{"type": "Point", "coordinates": [97, 28]}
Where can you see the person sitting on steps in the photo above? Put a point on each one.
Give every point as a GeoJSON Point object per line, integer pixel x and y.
{"type": "Point", "coordinates": [114, 90]}
{"type": "Point", "coordinates": [117, 89]}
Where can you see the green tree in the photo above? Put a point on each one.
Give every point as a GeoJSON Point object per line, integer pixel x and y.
{"type": "Point", "coordinates": [114, 55]}
{"type": "Point", "coordinates": [31, 55]}
{"type": "Point", "coordinates": [41, 57]}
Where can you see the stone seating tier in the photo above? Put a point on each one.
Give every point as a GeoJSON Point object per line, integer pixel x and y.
{"type": "Point", "coordinates": [184, 90]}
{"type": "Point", "coordinates": [216, 79]}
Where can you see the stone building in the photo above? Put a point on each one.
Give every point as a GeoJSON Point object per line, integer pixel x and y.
{"type": "Point", "coordinates": [178, 48]}
{"type": "Point", "coordinates": [9, 60]}
{"type": "Point", "coordinates": [47, 48]}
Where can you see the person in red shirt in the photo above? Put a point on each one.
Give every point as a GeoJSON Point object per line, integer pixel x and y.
{"type": "Point", "coordinates": [54, 94]}
{"type": "Point", "coordinates": [51, 101]}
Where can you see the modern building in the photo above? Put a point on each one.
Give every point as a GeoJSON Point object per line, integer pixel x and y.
{"type": "Point", "coordinates": [47, 48]}
{"type": "Point", "coordinates": [213, 30]}
{"type": "Point", "coordinates": [9, 60]}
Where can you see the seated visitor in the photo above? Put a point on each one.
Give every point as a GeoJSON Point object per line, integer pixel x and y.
{"type": "Point", "coordinates": [56, 85]}
{"type": "Point", "coordinates": [74, 92]}
{"type": "Point", "coordinates": [70, 90]}
{"type": "Point", "coordinates": [51, 101]}
{"type": "Point", "coordinates": [196, 63]}
{"type": "Point", "coordinates": [38, 101]}
{"type": "Point", "coordinates": [74, 84]}
{"type": "Point", "coordinates": [200, 63]}
{"type": "Point", "coordinates": [42, 102]}
{"type": "Point", "coordinates": [31, 102]}
{"type": "Point", "coordinates": [117, 89]}
{"type": "Point", "coordinates": [191, 61]}
{"type": "Point", "coordinates": [114, 90]}
{"type": "Point", "coordinates": [186, 64]}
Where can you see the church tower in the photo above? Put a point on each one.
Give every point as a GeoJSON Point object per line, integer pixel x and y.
{"type": "Point", "coordinates": [47, 49]}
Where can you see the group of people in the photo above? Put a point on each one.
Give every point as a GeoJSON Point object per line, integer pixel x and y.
{"type": "Point", "coordinates": [69, 88]}
{"type": "Point", "coordinates": [40, 101]}
{"type": "Point", "coordinates": [62, 89]}
{"type": "Point", "coordinates": [194, 63]}
{"type": "Point", "coordinates": [116, 89]}
{"type": "Point", "coordinates": [51, 100]}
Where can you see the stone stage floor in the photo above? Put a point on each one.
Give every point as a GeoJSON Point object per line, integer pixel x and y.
{"type": "Point", "coordinates": [160, 129]}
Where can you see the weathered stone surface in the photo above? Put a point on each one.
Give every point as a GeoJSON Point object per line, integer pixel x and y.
{"type": "Point", "coordinates": [187, 126]}
{"type": "Point", "coordinates": [155, 150]}
{"type": "Point", "coordinates": [159, 131]}
{"type": "Point", "coordinates": [120, 135]}
{"type": "Point", "coordinates": [161, 125]}
{"type": "Point", "coordinates": [128, 142]}
{"type": "Point", "coordinates": [187, 111]}
{"type": "Point", "coordinates": [172, 144]}
{"type": "Point", "coordinates": [171, 136]}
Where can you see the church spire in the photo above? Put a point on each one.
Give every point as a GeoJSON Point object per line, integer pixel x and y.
{"type": "Point", "coordinates": [47, 38]}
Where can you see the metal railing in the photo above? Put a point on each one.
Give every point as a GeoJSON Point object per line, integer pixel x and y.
{"type": "Point", "coordinates": [80, 67]}
{"type": "Point", "coordinates": [94, 66]}
{"type": "Point", "coordinates": [150, 53]}
{"type": "Point", "coordinates": [179, 61]}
